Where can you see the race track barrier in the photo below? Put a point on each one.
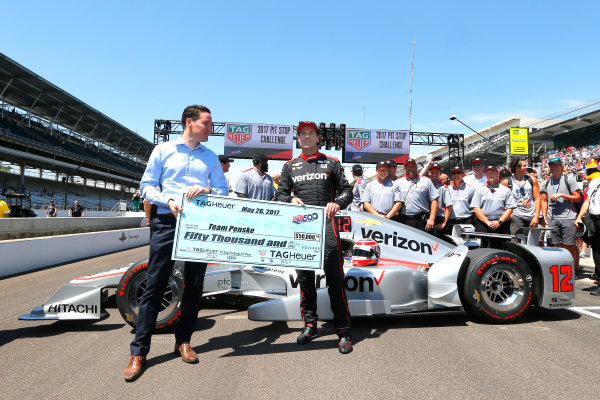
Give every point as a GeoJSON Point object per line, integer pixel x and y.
{"type": "Point", "coordinates": [22, 255]}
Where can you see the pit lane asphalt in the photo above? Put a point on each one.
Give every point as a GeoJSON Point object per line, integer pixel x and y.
{"type": "Point", "coordinates": [550, 355]}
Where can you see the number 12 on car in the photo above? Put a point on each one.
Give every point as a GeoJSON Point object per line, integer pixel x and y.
{"type": "Point", "coordinates": [558, 284]}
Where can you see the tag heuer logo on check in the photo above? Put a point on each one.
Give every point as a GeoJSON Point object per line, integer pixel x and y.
{"type": "Point", "coordinates": [239, 134]}
{"type": "Point", "coordinates": [359, 139]}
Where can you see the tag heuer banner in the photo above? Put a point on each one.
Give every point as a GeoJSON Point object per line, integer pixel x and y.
{"type": "Point", "coordinates": [374, 145]}
{"type": "Point", "coordinates": [518, 141]}
{"type": "Point", "coordinates": [245, 140]}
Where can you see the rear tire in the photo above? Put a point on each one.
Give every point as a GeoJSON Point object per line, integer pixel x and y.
{"type": "Point", "coordinates": [131, 287]}
{"type": "Point", "coordinates": [498, 286]}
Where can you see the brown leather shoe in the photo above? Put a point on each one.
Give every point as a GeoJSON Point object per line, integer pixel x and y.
{"type": "Point", "coordinates": [187, 353]}
{"type": "Point", "coordinates": [135, 368]}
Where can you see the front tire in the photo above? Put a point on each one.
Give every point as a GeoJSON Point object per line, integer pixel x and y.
{"type": "Point", "coordinates": [498, 286]}
{"type": "Point", "coordinates": [131, 287]}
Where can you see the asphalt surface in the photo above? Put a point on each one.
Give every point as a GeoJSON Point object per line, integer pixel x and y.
{"type": "Point", "coordinates": [549, 355]}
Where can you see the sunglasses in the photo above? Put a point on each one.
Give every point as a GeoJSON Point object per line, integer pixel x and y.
{"type": "Point", "coordinates": [478, 166]}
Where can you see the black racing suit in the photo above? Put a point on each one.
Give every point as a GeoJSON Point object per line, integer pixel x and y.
{"type": "Point", "coordinates": [317, 180]}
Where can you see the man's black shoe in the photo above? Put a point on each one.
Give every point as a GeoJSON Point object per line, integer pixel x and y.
{"type": "Point", "coordinates": [596, 292]}
{"type": "Point", "coordinates": [308, 334]}
{"type": "Point", "coordinates": [345, 343]}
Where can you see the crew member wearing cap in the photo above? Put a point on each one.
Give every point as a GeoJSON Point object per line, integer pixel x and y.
{"type": "Point", "coordinates": [358, 187]}
{"type": "Point", "coordinates": [462, 195]}
{"type": "Point", "coordinates": [392, 168]}
{"type": "Point", "coordinates": [255, 183]}
{"type": "Point", "coordinates": [560, 194]}
{"type": "Point", "coordinates": [592, 205]}
{"type": "Point", "coordinates": [225, 164]}
{"type": "Point", "coordinates": [492, 205]}
{"type": "Point", "coordinates": [445, 202]}
{"type": "Point", "coordinates": [526, 192]}
{"type": "Point", "coordinates": [319, 180]}
{"type": "Point", "coordinates": [478, 178]}
{"type": "Point", "coordinates": [420, 198]}
{"type": "Point", "coordinates": [382, 195]}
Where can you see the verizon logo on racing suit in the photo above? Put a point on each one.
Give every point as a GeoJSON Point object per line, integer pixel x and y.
{"type": "Point", "coordinates": [309, 176]}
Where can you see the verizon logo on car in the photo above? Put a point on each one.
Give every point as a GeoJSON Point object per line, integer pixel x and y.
{"type": "Point", "coordinates": [310, 176]}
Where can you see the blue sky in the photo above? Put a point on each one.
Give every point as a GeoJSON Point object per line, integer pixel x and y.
{"type": "Point", "coordinates": [281, 62]}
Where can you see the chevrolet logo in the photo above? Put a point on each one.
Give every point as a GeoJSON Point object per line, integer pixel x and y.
{"type": "Point", "coordinates": [368, 222]}
{"type": "Point", "coordinates": [123, 237]}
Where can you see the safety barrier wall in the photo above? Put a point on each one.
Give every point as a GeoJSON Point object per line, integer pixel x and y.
{"type": "Point", "coordinates": [23, 255]}
{"type": "Point", "coordinates": [19, 228]}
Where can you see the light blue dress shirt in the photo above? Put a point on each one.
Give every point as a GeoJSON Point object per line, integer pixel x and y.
{"type": "Point", "coordinates": [173, 168]}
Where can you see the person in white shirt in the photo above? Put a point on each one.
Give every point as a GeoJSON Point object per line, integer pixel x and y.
{"type": "Point", "coordinates": [478, 178]}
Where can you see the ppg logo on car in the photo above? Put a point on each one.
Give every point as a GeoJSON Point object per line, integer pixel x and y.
{"type": "Point", "coordinates": [300, 219]}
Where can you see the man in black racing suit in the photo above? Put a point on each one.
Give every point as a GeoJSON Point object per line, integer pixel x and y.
{"type": "Point", "coordinates": [319, 180]}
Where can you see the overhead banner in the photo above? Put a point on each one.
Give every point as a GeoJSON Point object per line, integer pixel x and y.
{"type": "Point", "coordinates": [519, 141]}
{"type": "Point", "coordinates": [374, 145]}
{"type": "Point", "coordinates": [245, 140]}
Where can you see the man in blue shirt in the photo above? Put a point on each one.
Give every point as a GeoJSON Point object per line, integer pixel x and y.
{"type": "Point", "coordinates": [174, 168]}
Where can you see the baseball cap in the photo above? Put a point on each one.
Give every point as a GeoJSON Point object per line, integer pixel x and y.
{"type": "Point", "coordinates": [381, 163]}
{"type": "Point", "coordinates": [258, 158]}
{"type": "Point", "coordinates": [303, 124]}
{"type": "Point", "coordinates": [391, 163]}
{"type": "Point", "coordinates": [477, 161]}
{"type": "Point", "coordinates": [357, 168]}
{"type": "Point", "coordinates": [224, 159]}
{"type": "Point", "coordinates": [555, 160]}
{"type": "Point", "coordinates": [409, 161]}
{"type": "Point", "coordinates": [491, 168]}
{"type": "Point", "coordinates": [436, 165]}
{"type": "Point", "coordinates": [457, 169]}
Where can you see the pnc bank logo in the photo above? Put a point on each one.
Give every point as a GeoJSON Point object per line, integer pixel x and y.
{"type": "Point", "coordinates": [359, 139]}
{"type": "Point", "coordinates": [239, 134]}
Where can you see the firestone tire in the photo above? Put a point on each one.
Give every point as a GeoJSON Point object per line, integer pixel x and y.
{"type": "Point", "coordinates": [131, 287]}
{"type": "Point", "coordinates": [498, 286]}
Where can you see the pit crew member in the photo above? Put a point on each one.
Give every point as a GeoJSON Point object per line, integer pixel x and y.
{"type": "Point", "coordinates": [420, 198]}
{"type": "Point", "coordinates": [382, 195]}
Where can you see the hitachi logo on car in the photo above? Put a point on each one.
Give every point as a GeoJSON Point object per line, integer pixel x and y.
{"type": "Point", "coordinates": [310, 176]}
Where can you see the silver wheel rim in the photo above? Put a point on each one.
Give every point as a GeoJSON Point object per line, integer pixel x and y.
{"type": "Point", "coordinates": [168, 301]}
{"type": "Point", "coordinates": [502, 287]}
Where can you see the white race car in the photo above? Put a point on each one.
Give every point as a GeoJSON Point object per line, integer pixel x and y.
{"type": "Point", "coordinates": [414, 271]}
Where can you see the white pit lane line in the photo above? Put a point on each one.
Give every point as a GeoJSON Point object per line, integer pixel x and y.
{"type": "Point", "coordinates": [587, 311]}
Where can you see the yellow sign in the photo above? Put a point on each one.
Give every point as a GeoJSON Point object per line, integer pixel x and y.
{"type": "Point", "coordinates": [518, 141]}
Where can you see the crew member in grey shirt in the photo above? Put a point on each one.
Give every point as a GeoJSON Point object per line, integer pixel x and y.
{"type": "Point", "coordinates": [461, 194]}
{"type": "Point", "coordinates": [358, 187]}
{"type": "Point", "coordinates": [382, 195]}
{"type": "Point", "coordinates": [255, 183]}
{"type": "Point", "coordinates": [560, 194]}
{"type": "Point", "coordinates": [492, 205]}
{"type": "Point", "coordinates": [420, 198]}
{"type": "Point", "coordinates": [444, 201]}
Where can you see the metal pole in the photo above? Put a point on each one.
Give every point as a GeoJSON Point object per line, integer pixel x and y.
{"type": "Point", "coordinates": [412, 69]}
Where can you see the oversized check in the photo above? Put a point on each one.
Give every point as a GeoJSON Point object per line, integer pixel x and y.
{"type": "Point", "coordinates": [251, 232]}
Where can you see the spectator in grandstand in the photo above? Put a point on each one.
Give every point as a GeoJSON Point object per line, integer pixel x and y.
{"type": "Point", "coordinates": [419, 197]}
{"type": "Point", "coordinates": [4, 209]}
{"type": "Point", "coordinates": [178, 166]}
{"type": "Point", "coordinates": [358, 187]}
{"type": "Point", "coordinates": [592, 205]}
{"type": "Point", "coordinates": [478, 178]}
{"type": "Point", "coordinates": [136, 200]}
{"type": "Point", "coordinates": [560, 194]}
{"type": "Point", "coordinates": [526, 192]}
{"type": "Point", "coordinates": [444, 200]}
{"type": "Point", "coordinates": [382, 196]}
{"type": "Point", "coordinates": [492, 205]}
{"type": "Point", "coordinates": [51, 210]}
{"type": "Point", "coordinates": [225, 165]}
{"type": "Point", "coordinates": [461, 195]}
{"type": "Point", "coordinates": [393, 168]}
{"type": "Point", "coordinates": [76, 210]}
{"type": "Point", "coordinates": [255, 183]}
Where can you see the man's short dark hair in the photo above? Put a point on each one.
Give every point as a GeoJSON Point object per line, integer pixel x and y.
{"type": "Point", "coordinates": [192, 112]}
{"type": "Point", "coordinates": [514, 162]}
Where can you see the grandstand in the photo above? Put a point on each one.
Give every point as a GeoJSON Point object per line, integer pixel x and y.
{"type": "Point", "coordinates": [76, 151]}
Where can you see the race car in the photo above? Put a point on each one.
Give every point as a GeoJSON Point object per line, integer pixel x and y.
{"type": "Point", "coordinates": [390, 269]}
